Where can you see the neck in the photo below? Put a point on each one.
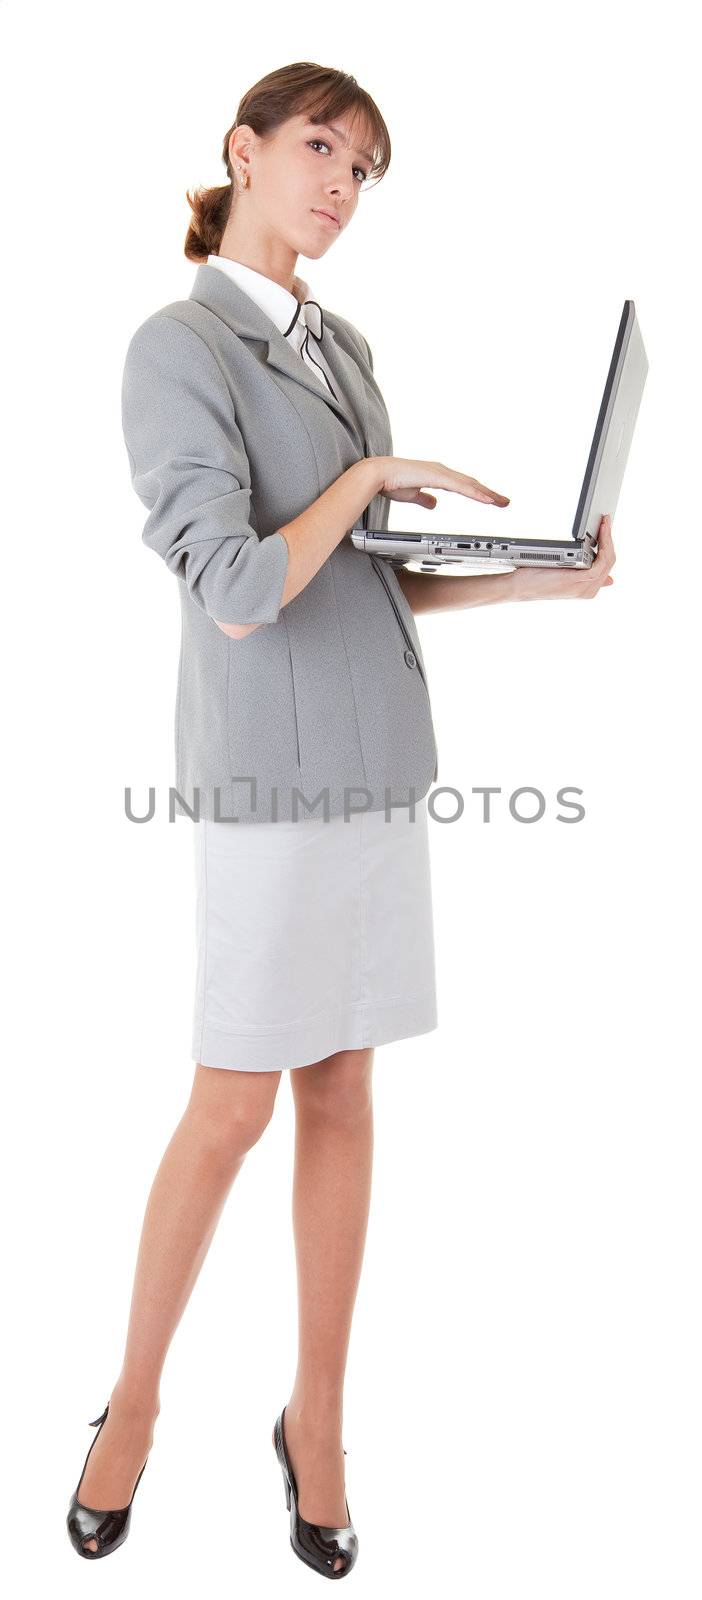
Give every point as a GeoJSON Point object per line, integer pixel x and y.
{"type": "Point", "coordinates": [268, 254]}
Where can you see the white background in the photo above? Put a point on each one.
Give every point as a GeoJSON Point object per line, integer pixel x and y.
{"type": "Point", "coordinates": [522, 1407]}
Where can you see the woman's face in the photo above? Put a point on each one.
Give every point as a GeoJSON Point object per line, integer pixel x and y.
{"type": "Point", "coordinates": [300, 170]}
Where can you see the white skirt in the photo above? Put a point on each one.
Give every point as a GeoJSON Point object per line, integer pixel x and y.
{"type": "Point", "coordinates": [312, 937]}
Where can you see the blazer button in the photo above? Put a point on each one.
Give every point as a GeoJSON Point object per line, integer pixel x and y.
{"type": "Point", "coordinates": [410, 658]}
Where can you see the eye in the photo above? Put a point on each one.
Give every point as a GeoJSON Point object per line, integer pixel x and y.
{"type": "Point", "coordinates": [363, 176]}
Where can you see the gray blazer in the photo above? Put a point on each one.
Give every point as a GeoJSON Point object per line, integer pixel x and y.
{"type": "Point", "coordinates": [230, 436]}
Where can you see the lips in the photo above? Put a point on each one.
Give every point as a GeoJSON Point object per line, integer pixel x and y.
{"type": "Point", "coordinates": [320, 211]}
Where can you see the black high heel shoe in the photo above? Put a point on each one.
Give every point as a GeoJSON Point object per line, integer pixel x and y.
{"type": "Point", "coordinates": [109, 1529]}
{"type": "Point", "coordinates": [317, 1546]}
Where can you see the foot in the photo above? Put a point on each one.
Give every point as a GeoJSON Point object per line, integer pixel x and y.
{"type": "Point", "coordinates": [117, 1457]}
{"type": "Point", "coordinates": [316, 1456]}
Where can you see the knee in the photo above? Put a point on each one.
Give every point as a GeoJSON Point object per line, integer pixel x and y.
{"type": "Point", "coordinates": [229, 1111]}
{"type": "Point", "coordinates": [338, 1091]}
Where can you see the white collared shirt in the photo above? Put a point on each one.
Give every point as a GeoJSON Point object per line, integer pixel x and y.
{"type": "Point", "coordinates": [278, 303]}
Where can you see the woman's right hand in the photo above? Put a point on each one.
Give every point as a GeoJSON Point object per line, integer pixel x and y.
{"type": "Point", "coordinates": [405, 479]}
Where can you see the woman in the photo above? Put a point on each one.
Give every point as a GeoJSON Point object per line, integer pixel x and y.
{"type": "Point", "coordinates": [258, 437]}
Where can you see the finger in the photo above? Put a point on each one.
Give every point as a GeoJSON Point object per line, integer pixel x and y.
{"type": "Point", "coordinates": [475, 490]}
{"type": "Point", "coordinates": [461, 483]}
{"type": "Point", "coordinates": [402, 494]}
{"type": "Point", "coordinates": [605, 557]}
{"type": "Point", "coordinates": [490, 496]}
{"type": "Point", "coordinates": [420, 497]}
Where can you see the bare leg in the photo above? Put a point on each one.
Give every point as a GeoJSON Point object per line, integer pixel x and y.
{"type": "Point", "coordinates": [331, 1203]}
{"type": "Point", "coordinates": [226, 1114]}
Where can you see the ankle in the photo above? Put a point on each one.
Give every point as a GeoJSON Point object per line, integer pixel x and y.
{"type": "Point", "coordinates": [134, 1401]}
{"type": "Point", "coordinates": [315, 1416]}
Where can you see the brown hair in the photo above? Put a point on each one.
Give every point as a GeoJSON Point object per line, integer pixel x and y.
{"type": "Point", "coordinates": [321, 92]}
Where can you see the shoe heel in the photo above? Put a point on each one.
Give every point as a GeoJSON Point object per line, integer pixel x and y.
{"type": "Point", "coordinates": [279, 1453]}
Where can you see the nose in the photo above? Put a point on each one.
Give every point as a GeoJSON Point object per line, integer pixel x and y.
{"type": "Point", "coordinates": [340, 188]}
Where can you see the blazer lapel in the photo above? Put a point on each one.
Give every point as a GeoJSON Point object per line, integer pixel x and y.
{"type": "Point", "coordinates": [222, 295]}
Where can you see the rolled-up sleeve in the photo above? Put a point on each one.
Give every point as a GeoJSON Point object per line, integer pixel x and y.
{"type": "Point", "coordinates": [190, 468]}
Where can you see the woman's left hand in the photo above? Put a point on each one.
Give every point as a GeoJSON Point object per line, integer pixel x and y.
{"type": "Point", "coordinates": [565, 583]}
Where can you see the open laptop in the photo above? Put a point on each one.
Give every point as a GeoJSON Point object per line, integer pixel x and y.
{"type": "Point", "coordinates": [431, 552]}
